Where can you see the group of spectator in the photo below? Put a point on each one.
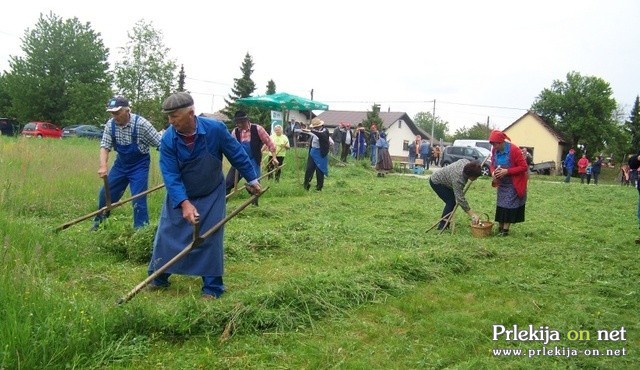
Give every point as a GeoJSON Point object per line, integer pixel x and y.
{"type": "Point", "coordinates": [420, 148]}
{"type": "Point", "coordinates": [356, 142]}
{"type": "Point", "coordinates": [294, 131]}
{"type": "Point", "coordinates": [586, 168]}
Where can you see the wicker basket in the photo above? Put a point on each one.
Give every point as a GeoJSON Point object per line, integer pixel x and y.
{"type": "Point", "coordinates": [483, 228]}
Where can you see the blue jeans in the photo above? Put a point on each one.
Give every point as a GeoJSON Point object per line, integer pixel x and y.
{"type": "Point", "coordinates": [569, 172]}
{"type": "Point", "coordinates": [374, 154]}
{"type": "Point", "coordinates": [425, 160]}
{"type": "Point", "coordinates": [446, 194]}
{"type": "Point", "coordinates": [210, 284]}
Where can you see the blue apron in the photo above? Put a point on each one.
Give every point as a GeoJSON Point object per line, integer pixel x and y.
{"type": "Point", "coordinates": [321, 162]}
{"type": "Point", "coordinates": [203, 180]}
{"type": "Point", "coordinates": [128, 155]}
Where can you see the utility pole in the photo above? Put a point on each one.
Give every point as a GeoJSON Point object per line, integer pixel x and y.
{"type": "Point", "coordinates": [433, 121]}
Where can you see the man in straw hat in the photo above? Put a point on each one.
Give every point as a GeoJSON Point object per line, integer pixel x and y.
{"type": "Point", "coordinates": [191, 164]}
{"type": "Point", "coordinates": [318, 160]}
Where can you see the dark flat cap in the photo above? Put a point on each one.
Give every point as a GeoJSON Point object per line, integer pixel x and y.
{"type": "Point", "coordinates": [177, 101]}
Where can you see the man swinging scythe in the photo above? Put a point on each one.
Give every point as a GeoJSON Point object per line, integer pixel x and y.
{"type": "Point", "coordinates": [191, 164]}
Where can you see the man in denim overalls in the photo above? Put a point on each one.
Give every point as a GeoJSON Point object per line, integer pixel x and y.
{"type": "Point", "coordinates": [131, 136]}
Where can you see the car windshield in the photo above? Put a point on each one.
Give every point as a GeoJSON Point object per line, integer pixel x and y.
{"type": "Point", "coordinates": [484, 152]}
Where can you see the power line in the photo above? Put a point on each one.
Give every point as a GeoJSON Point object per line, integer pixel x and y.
{"type": "Point", "coordinates": [418, 102]}
{"type": "Point", "coordinates": [481, 106]}
{"type": "Point", "coordinates": [379, 101]}
{"type": "Point", "coordinates": [10, 34]}
{"type": "Point", "coordinates": [207, 81]}
{"type": "Point", "coordinates": [206, 93]}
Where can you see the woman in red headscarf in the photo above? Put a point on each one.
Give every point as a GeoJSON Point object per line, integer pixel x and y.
{"type": "Point", "coordinates": [510, 174]}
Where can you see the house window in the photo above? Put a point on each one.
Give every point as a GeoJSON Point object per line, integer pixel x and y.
{"type": "Point", "coordinates": [399, 123]}
{"type": "Point", "coordinates": [405, 145]}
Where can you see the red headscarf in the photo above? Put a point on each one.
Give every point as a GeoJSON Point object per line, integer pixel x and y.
{"type": "Point", "coordinates": [497, 136]}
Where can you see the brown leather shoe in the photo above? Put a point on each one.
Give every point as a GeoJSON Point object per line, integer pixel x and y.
{"type": "Point", "coordinates": [208, 297]}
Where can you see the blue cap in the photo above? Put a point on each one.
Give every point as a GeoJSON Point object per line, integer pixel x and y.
{"type": "Point", "coordinates": [116, 103]}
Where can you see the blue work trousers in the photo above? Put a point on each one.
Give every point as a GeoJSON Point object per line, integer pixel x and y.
{"type": "Point", "coordinates": [137, 178]}
{"type": "Point", "coordinates": [212, 285]}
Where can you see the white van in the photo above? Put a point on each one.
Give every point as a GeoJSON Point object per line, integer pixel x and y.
{"type": "Point", "coordinates": [473, 142]}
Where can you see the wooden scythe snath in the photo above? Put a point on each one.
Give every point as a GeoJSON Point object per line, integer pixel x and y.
{"type": "Point", "coordinates": [108, 207]}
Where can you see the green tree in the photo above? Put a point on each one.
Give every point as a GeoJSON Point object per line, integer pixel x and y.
{"type": "Point", "coordinates": [425, 121]}
{"type": "Point", "coordinates": [478, 131]}
{"type": "Point", "coordinates": [144, 75]}
{"type": "Point", "coordinates": [63, 77]}
{"type": "Point", "coordinates": [582, 108]}
{"type": "Point", "coordinates": [5, 99]}
{"type": "Point", "coordinates": [632, 126]}
{"type": "Point", "coordinates": [271, 87]}
{"type": "Point", "coordinates": [242, 87]}
{"type": "Point", "coordinates": [264, 117]}
{"type": "Point", "coordinates": [373, 117]}
{"type": "Point", "coordinates": [181, 77]}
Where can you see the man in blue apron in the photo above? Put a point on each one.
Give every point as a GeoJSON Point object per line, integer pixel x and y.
{"type": "Point", "coordinates": [131, 136]}
{"type": "Point", "coordinates": [191, 165]}
{"type": "Point", "coordinates": [252, 137]}
{"type": "Point", "coordinates": [318, 160]}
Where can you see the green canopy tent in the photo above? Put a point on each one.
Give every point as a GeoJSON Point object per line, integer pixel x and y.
{"type": "Point", "coordinates": [283, 102]}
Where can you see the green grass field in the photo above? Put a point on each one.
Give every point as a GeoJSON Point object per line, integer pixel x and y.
{"type": "Point", "coordinates": [345, 278]}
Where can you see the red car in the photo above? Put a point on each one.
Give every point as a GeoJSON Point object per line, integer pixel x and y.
{"type": "Point", "coordinates": [42, 129]}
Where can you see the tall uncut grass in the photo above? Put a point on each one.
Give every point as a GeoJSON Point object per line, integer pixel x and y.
{"type": "Point", "coordinates": [342, 278]}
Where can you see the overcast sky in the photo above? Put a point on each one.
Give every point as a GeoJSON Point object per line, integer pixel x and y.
{"type": "Point", "coordinates": [470, 56]}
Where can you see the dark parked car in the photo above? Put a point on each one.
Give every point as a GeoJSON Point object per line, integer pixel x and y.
{"type": "Point", "coordinates": [88, 131]}
{"type": "Point", "coordinates": [9, 127]}
{"type": "Point", "coordinates": [68, 130]}
{"type": "Point", "coordinates": [453, 153]}
{"type": "Point", "coordinates": [42, 129]}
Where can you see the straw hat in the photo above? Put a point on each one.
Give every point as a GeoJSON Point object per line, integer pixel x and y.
{"type": "Point", "coordinates": [316, 122]}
